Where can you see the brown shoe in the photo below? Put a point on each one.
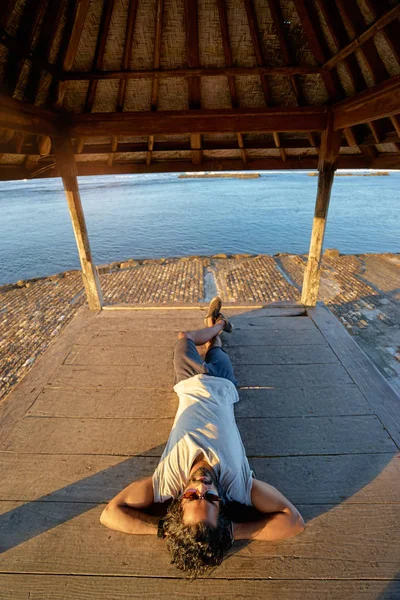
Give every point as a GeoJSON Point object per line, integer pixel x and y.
{"type": "Point", "coordinates": [228, 325]}
{"type": "Point", "coordinates": [213, 309]}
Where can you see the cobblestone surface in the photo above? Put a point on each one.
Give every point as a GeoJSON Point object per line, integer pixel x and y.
{"type": "Point", "coordinates": [31, 319]}
{"type": "Point", "coordinates": [255, 279]}
{"type": "Point", "coordinates": [363, 291]}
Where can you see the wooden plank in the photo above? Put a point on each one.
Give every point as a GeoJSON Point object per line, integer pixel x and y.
{"type": "Point", "coordinates": [147, 437]}
{"type": "Point", "coordinates": [76, 478]}
{"type": "Point", "coordinates": [96, 377]}
{"type": "Point", "coordinates": [226, 120]}
{"type": "Point", "coordinates": [122, 337]}
{"type": "Point", "coordinates": [382, 100]}
{"type": "Point", "coordinates": [376, 26]}
{"type": "Point", "coordinates": [378, 392]}
{"type": "Point", "coordinates": [104, 404]}
{"type": "Point", "coordinates": [20, 587]}
{"type": "Point", "coordinates": [273, 337]}
{"type": "Point", "coordinates": [126, 58]}
{"type": "Point", "coordinates": [117, 355]}
{"type": "Point", "coordinates": [314, 435]}
{"type": "Point", "coordinates": [283, 355]}
{"type": "Point", "coordinates": [339, 543]}
{"type": "Point", "coordinates": [327, 164]}
{"type": "Point", "coordinates": [15, 405]}
{"type": "Point", "coordinates": [295, 402]}
{"type": "Point", "coordinates": [355, 478]}
{"type": "Point", "coordinates": [288, 375]}
{"type": "Point", "coordinates": [65, 160]}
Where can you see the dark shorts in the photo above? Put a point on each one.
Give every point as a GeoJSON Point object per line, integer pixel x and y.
{"type": "Point", "coordinates": [188, 362]}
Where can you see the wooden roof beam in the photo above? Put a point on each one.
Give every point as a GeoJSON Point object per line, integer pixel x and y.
{"type": "Point", "coordinates": [318, 46]}
{"type": "Point", "coordinates": [278, 20]}
{"type": "Point", "coordinates": [71, 37]}
{"type": "Point", "coordinates": [27, 118]}
{"type": "Point", "coordinates": [223, 22]}
{"type": "Point", "coordinates": [156, 65]}
{"type": "Point", "coordinates": [378, 102]}
{"type": "Point", "coordinates": [100, 50]}
{"type": "Point", "coordinates": [252, 21]}
{"type": "Point", "coordinates": [193, 61]}
{"type": "Point", "coordinates": [190, 72]}
{"type": "Point", "coordinates": [392, 31]}
{"type": "Point", "coordinates": [378, 25]}
{"type": "Point", "coordinates": [355, 20]}
{"type": "Point", "coordinates": [383, 161]}
{"type": "Point", "coordinates": [310, 118]}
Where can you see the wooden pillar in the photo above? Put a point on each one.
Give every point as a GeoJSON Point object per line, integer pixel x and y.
{"type": "Point", "coordinates": [329, 152]}
{"type": "Point", "coordinates": [65, 161]}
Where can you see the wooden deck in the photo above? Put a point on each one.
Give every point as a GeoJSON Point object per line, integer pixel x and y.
{"type": "Point", "coordinates": [317, 420]}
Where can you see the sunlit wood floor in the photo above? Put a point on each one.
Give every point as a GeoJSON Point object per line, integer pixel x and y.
{"type": "Point", "coordinates": [317, 419]}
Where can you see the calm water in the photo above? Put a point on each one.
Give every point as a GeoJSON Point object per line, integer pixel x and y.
{"type": "Point", "coordinates": [151, 216]}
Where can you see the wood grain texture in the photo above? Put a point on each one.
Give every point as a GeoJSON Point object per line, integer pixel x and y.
{"type": "Point", "coordinates": [282, 355]}
{"type": "Point", "coordinates": [37, 587]}
{"type": "Point", "coordinates": [286, 376]}
{"type": "Point", "coordinates": [97, 377]}
{"type": "Point", "coordinates": [381, 396]}
{"type": "Point", "coordinates": [105, 404]}
{"type": "Point", "coordinates": [354, 478]}
{"type": "Point", "coordinates": [146, 437]}
{"type": "Point", "coordinates": [298, 402]}
{"type": "Point", "coordinates": [348, 541]}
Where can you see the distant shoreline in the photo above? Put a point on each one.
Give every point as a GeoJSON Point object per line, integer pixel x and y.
{"type": "Point", "coordinates": [377, 174]}
{"type": "Point", "coordinates": [219, 176]}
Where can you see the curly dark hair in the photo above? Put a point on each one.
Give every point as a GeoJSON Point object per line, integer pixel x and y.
{"type": "Point", "coordinates": [195, 548]}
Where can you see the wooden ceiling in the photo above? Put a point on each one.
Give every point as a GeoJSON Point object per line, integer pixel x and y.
{"type": "Point", "coordinates": [180, 85]}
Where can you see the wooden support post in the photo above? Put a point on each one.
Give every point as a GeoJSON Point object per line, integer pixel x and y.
{"type": "Point", "coordinates": [65, 161]}
{"type": "Point", "coordinates": [329, 152]}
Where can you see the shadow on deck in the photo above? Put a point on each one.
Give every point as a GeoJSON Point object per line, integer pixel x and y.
{"type": "Point", "coordinates": [317, 419]}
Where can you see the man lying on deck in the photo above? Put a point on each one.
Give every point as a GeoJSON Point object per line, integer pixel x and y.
{"type": "Point", "coordinates": [204, 466]}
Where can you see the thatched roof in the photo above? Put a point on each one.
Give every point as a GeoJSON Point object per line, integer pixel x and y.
{"type": "Point", "coordinates": [179, 85]}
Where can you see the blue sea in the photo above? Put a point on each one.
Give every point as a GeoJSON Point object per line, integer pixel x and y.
{"type": "Point", "coordinates": [153, 216]}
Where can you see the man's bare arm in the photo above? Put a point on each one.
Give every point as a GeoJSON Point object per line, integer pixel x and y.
{"type": "Point", "coordinates": [123, 512]}
{"type": "Point", "coordinates": [283, 520]}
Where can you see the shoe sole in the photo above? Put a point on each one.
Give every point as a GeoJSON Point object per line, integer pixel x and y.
{"type": "Point", "coordinates": [213, 309]}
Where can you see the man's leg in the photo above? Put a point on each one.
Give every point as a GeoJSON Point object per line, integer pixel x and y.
{"type": "Point", "coordinates": [202, 336]}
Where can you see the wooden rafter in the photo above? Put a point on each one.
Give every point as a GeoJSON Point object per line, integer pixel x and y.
{"type": "Point", "coordinates": [193, 61]}
{"type": "Point", "coordinates": [378, 102]}
{"type": "Point", "coordinates": [252, 21]}
{"type": "Point", "coordinates": [223, 22]}
{"type": "Point", "coordinates": [26, 118]}
{"type": "Point", "coordinates": [392, 31]}
{"type": "Point", "coordinates": [6, 7]}
{"type": "Point", "coordinates": [378, 25]}
{"type": "Point", "coordinates": [71, 37]}
{"type": "Point", "coordinates": [30, 21]}
{"type": "Point", "coordinates": [318, 47]}
{"type": "Point", "coordinates": [33, 147]}
{"type": "Point", "coordinates": [355, 20]}
{"type": "Point", "coordinates": [392, 36]}
{"type": "Point", "coordinates": [307, 118]}
{"type": "Point", "coordinates": [156, 65]}
{"type": "Point", "coordinates": [188, 73]}
{"type": "Point", "coordinates": [43, 48]}
{"type": "Point", "coordinates": [126, 61]}
{"type": "Point", "coordinates": [27, 53]}
{"type": "Point", "coordinates": [100, 50]}
{"type": "Point", "coordinates": [341, 38]}
{"type": "Point", "coordinates": [278, 20]}
{"type": "Point", "coordinates": [384, 161]}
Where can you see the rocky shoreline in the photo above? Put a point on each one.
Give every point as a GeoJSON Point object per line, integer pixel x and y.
{"type": "Point", "coordinates": [362, 290]}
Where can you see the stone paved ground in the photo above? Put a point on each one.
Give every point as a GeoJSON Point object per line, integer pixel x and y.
{"type": "Point", "coordinates": [363, 291]}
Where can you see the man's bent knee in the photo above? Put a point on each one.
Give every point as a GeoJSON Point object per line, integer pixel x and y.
{"type": "Point", "coordinates": [184, 334]}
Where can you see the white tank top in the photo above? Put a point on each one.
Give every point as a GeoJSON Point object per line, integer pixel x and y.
{"type": "Point", "coordinates": [204, 423]}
